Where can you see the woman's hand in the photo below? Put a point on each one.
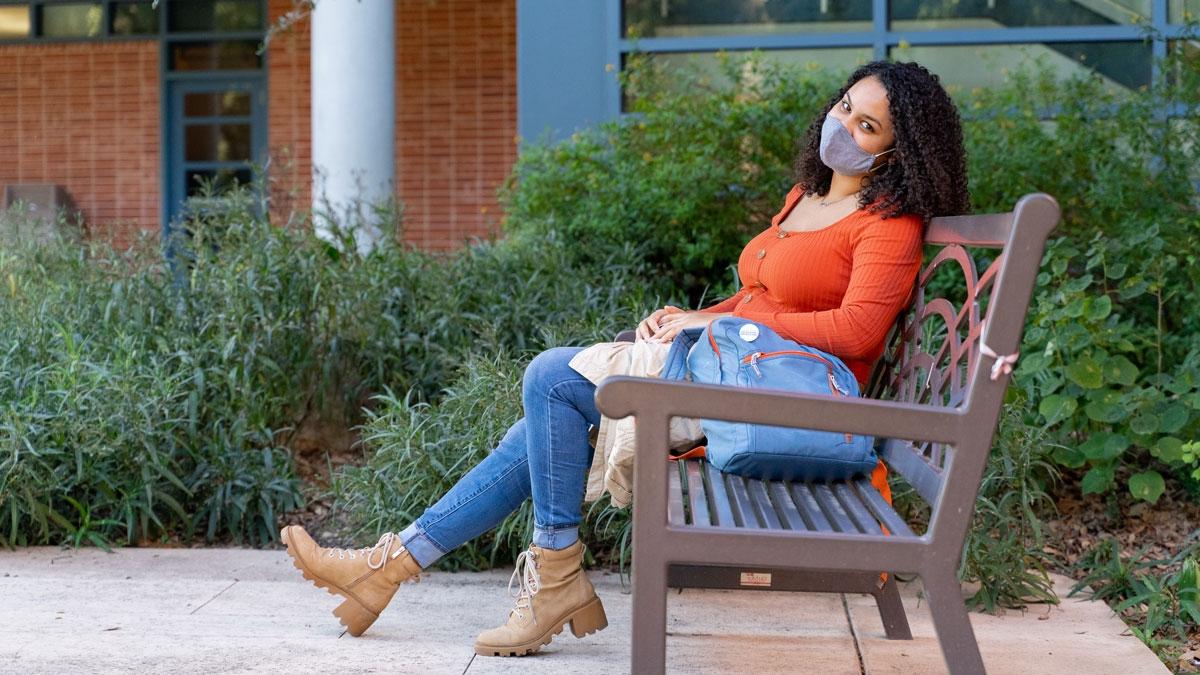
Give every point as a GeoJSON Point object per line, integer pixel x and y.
{"type": "Point", "coordinates": [650, 325]}
{"type": "Point", "coordinates": [670, 325]}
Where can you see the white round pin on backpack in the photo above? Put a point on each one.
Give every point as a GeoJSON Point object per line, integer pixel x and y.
{"type": "Point", "coordinates": [748, 332]}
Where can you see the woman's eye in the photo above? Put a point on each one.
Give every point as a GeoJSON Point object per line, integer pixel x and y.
{"type": "Point", "coordinates": [845, 105]}
{"type": "Point", "coordinates": [867, 126]}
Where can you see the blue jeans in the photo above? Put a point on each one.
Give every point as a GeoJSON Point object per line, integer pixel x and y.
{"type": "Point", "coordinates": [545, 455]}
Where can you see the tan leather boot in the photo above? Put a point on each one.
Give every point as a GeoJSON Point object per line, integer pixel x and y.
{"type": "Point", "coordinates": [553, 590]}
{"type": "Point", "coordinates": [367, 577]}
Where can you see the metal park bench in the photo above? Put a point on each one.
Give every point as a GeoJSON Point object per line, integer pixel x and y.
{"type": "Point", "coordinates": [933, 407]}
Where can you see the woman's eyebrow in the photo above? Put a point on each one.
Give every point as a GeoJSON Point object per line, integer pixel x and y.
{"type": "Point", "coordinates": [851, 102]}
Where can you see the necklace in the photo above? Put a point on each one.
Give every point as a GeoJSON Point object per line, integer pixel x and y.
{"type": "Point", "coordinates": [822, 202]}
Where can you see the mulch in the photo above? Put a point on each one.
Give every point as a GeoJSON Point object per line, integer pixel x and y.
{"type": "Point", "coordinates": [1143, 531]}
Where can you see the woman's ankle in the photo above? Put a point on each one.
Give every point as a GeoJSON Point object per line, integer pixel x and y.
{"type": "Point", "coordinates": [555, 538]}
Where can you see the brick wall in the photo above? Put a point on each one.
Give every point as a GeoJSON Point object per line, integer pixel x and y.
{"type": "Point", "coordinates": [289, 115]}
{"type": "Point", "coordinates": [85, 116]}
{"type": "Point", "coordinates": [456, 115]}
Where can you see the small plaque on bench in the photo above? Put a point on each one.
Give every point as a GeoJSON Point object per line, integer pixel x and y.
{"type": "Point", "coordinates": [757, 579]}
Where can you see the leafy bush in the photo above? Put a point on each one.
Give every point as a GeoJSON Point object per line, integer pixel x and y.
{"type": "Point", "coordinates": [1004, 549]}
{"type": "Point", "coordinates": [1109, 355]}
{"type": "Point", "coordinates": [692, 174]}
{"type": "Point", "coordinates": [1109, 349]}
{"type": "Point", "coordinates": [140, 402]}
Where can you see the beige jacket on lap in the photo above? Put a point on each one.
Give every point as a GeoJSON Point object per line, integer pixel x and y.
{"type": "Point", "coordinates": [612, 465]}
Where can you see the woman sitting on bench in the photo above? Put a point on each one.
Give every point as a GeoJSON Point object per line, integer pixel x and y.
{"type": "Point", "coordinates": [832, 271]}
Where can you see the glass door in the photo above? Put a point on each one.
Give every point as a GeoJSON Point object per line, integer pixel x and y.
{"type": "Point", "coordinates": [217, 134]}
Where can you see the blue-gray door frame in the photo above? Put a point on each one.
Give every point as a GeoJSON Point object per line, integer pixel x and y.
{"type": "Point", "coordinates": [175, 164]}
{"type": "Point", "coordinates": [167, 79]}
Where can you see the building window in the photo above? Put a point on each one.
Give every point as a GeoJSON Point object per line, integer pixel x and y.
{"type": "Point", "coordinates": [223, 55]}
{"type": "Point", "coordinates": [1183, 11]}
{"type": "Point", "coordinates": [918, 15]}
{"type": "Point", "coordinates": [660, 18]}
{"type": "Point", "coordinates": [81, 20]}
{"type": "Point", "coordinates": [133, 18]}
{"type": "Point", "coordinates": [53, 20]}
{"type": "Point", "coordinates": [210, 16]}
{"type": "Point", "coordinates": [1121, 65]}
{"type": "Point", "coordinates": [14, 22]}
{"type": "Point", "coordinates": [968, 43]}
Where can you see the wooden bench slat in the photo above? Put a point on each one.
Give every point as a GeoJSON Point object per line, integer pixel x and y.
{"type": "Point", "coordinates": [675, 514]}
{"type": "Point", "coordinates": [719, 498]}
{"type": "Point", "coordinates": [788, 512]}
{"type": "Point", "coordinates": [806, 502]}
{"type": "Point", "coordinates": [833, 509]}
{"type": "Point", "coordinates": [882, 510]}
{"type": "Point", "coordinates": [858, 511]}
{"type": "Point", "coordinates": [741, 501]}
{"type": "Point", "coordinates": [763, 506]}
{"type": "Point", "coordinates": [697, 494]}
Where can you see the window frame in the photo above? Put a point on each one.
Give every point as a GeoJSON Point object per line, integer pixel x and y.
{"type": "Point", "coordinates": [882, 38]}
{"type": "Point", "coordinates": [159, 32]}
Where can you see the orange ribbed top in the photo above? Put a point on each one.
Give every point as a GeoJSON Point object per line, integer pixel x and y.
{"type": "Point", "coordinates": [837, 289]}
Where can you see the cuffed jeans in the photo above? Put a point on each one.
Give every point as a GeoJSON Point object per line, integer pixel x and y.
{"type": "Point", "coordinates": [545, 455]}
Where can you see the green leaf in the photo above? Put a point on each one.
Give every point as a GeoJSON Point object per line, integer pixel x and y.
{"type": "Point", "coordinates": [1147, 486]}
{"type": "Point", "coordinates": [1115, 271]}
{"type": "Point", "coordinates": [1086, 372]}
{"type": "Point", "coordinates": [1098, 308]}
{"type": "Point", "coordinates": [1071, 458]}
{"type": "Point", "coordinates": [1097, 480]}
{"type": "Point", "coordinates": [1056, 408]}
{"type": "Point", "coordinates": [1168, 449]}
{"type": "Point", "coordinates": [1074, 309]}
{"type": "Point", "coordinates": [1133, 290]}
{"type": "Point", "coordinates": [1173, 418]}
{"type": "Point", "coordinates": [1144, 423]}
{"type": "Point", "coordinates": [1105, 406]}
{"type": "Point", "coordinates": [1103, 446]}
{"type": "Point", "coordinates": [1120, 370]}
{"type": "Point", "coordinates": [1078, 284]}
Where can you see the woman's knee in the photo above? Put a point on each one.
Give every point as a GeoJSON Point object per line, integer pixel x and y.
{"type": "Point", "coordinates": [549, 368]}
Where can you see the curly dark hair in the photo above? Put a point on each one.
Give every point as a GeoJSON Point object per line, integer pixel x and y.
{"type": "Point", "coordinates": [927, 175]}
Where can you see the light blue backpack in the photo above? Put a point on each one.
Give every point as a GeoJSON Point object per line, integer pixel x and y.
{"type": "Point", "coordinates": [742, 353]}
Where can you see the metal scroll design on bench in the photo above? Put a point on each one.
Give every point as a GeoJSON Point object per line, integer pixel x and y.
{"type": "Point", "coordinates": [935, 344]}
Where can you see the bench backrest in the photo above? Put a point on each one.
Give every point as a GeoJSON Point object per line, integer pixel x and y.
{"type": "Point", "coordinates": [933, 356]}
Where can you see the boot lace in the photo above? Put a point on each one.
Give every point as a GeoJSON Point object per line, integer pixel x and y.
{"type": "Point", "coordinates": [380, 549]}
{"type": "Point", "coordinates": [528, 582]}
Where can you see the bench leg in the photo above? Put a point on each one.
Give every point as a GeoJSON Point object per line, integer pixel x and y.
{"type": "Point", "coordinates": [649, 615]}
{"type": "Point", "coordinates": [891, 611]}
{"type": "Point", "coordinates": [952, 623]}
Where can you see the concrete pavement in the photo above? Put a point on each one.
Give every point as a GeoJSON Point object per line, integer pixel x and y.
{"type": "Point", "coordinates": [240, 611]}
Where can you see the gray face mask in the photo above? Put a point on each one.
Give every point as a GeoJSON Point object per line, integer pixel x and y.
{"type": "Point", "coordinates": [841, 153]}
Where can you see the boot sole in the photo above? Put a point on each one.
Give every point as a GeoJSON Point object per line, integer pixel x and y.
{"type": "Point", "coordinates": [584, 621]}
{"type": "Point", "coordinates": [351, 614]}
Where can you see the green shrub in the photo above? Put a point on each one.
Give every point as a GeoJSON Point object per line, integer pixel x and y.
{"type": "Point", "coordinates": [694, 173]}
{"type": "Point", "coordinates": [1159, 598]}
{"type": "Point", "coordinates": [1004, 548]}
{"type": "Point", "coordinates": [140, 401]}
{"type": "Point", "coordinates": [1107, 356]}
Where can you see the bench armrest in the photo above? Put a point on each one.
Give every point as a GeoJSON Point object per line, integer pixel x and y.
{"type": "Point", "coordinates": [622, 396]}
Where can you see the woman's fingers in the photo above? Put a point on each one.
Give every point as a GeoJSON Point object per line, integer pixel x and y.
{"type": "Point", "coordinates": [644, 331]}
{"type": "Point", "coordinates": [652, 326]}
